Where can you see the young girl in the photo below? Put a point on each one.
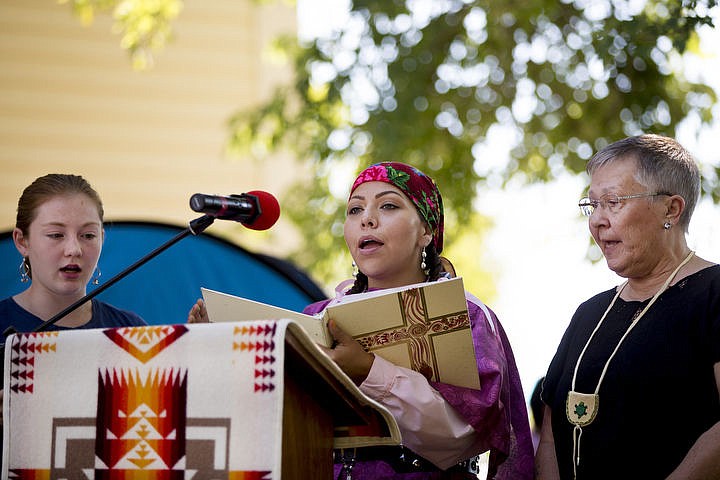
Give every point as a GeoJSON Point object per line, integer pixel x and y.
{"type": "Point", "coordinates": [59, 233]}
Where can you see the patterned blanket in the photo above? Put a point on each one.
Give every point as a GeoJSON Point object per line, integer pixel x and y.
{"type": "Point", "coordinates": [158, 402]}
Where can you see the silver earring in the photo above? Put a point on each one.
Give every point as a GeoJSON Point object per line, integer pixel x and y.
{"type": "Point", "coordinates": [25, 270]}
{"type": "Point", "coordinates": [667, 225]}
{"type": "Point", "coordinates": [354, 270]}
{"type": "Point", "coordinates": [423, 265]}
{"type": "Point", "coordinates": [96, 277]}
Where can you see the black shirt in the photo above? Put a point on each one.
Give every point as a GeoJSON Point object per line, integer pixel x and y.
{"type": "Point", "coordinates": [659, 393]}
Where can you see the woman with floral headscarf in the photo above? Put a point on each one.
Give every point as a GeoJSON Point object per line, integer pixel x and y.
{"type": "Point", "coordinates": [394, 231]}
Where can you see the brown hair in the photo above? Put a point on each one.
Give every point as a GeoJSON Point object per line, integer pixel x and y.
{"type": "Point", "coordinates": [47, 187]}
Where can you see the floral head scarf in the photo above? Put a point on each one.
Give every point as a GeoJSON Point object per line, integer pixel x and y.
{"type": "Point", "coordinates": [418, 187]}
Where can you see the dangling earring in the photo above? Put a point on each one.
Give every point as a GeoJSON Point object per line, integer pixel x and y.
{"type": "Point", "coordinates": [96, 277]}
{"type": "Point", "coordinates": [423, 265]}
{"type": "Point", "coordinates": [25, 270]}
{"type": "Point", "coordinates": [354, 269]}
{"type": "Point", "coordinates": [667, 225]}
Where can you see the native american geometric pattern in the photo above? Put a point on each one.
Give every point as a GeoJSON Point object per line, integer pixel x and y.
{"type": "Point", "coordinates": [137, 403]}
{"type": "Point", "coordinates": [417, 332]}
{"type": "Point", "coordinates": [24, 350]}
{"type": "Point", "coordinates": [140, 421]}
{"type": "Point", "coordinates": [258, 339]}
{"type": "Point", "coordinates": [145, 342]}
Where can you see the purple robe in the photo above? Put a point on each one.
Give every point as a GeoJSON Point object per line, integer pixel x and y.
{"type": "Point", "coordinates": [497, 412]}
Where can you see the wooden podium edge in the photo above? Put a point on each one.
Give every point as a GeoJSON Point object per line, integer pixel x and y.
{"type": "Point", "coordinates": [320, 401]}
{"type": "Point", "coordinates": [332, 387]}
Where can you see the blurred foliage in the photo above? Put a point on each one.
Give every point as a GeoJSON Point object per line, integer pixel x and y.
{"type": "Point", "coordinates": [145, 26]}
{"type": "Point", "coordinates": [432, 82]}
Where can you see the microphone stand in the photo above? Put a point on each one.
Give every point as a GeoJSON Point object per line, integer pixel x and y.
{"type": "Point", "coordinates": [195, 227]}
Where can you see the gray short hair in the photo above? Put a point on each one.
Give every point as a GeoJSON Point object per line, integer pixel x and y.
{"type": "Point", "coordinates": [663, 165]}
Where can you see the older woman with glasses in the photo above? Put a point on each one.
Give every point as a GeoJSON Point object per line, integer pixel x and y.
{"type": "Point", "coordinates": [634, 388]}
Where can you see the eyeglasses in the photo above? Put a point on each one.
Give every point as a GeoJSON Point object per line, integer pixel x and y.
{"type": "Point", "coordinates": [611, 202]}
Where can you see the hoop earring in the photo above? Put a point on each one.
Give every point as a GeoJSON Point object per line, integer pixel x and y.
{"type": "Point", "coordinates": [423, 265]}
{"type": "Point", "coordinates": [96, 277]}
{"type": "Point", "coordinates": [667, 225]}
{"type": "Point", "coordinates": [354, 269]}
{"type": "Point", "coordinates": [25, 270]}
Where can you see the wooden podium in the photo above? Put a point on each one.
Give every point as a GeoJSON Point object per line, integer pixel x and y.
{"type": "Point", "coordinates": [245, 400]}
{"type": "Point", "coordinates": [318, 404]}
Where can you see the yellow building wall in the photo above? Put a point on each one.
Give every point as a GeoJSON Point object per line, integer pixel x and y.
{"type": "Point", "coordinates": [71, 103]}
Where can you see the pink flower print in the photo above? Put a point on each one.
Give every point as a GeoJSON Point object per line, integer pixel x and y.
{"type": "Point", "coordinates": [375, 173]}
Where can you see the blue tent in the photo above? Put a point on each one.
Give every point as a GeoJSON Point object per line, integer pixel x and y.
{"type": "Point", "coordinates": [163, 289]}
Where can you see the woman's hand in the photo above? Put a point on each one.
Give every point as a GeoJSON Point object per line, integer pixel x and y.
{"type": "Point", "coordinates": [198, 313]}
{"type": "Point", "coordinates": [349, 354]}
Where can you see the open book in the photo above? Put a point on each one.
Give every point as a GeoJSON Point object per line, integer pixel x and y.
{"type": "Point", "coordinates": [424, 327]}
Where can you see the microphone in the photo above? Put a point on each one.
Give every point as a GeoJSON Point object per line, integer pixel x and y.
{"type": "Point", "coordinates": [257, 210]}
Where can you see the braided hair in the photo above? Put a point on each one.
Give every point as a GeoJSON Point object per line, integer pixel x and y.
{"type": "Point", "coordinates": [433, 260]}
